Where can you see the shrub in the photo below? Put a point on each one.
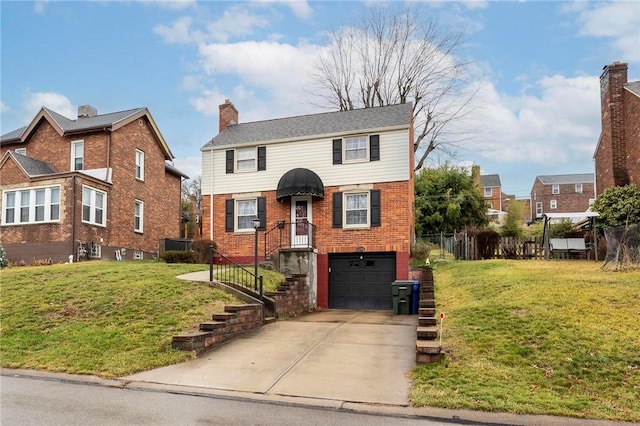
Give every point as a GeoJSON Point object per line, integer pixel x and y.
{"type": "Point", "coordinates": [4, 262]}
{"type": "Point", "coordinates": [488, 242]}
{"type": "Point", "coordinates": [178, 256]}
{"type": "Point", "coordinates": [201, 250]}
{"type": "Point", "coordinates": [420, 250]}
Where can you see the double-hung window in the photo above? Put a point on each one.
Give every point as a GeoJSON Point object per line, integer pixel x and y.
{"type": "Point", "coordinates": [246, 159]}
{"type": "Point", "coordinates": [138, 216]}
{"type": "Point", "coordinates": [139, 164]}
{"type": "Point", "coordinates": [553, 204]}
{"type": "Point", "coordinates": [538, 209]}
{"type": "Point", "coordinates": [356, 212]}
{"type": "Point", "coordinates": [355, 149]}
{"type": "Point", "coordinates": [77, 155]}
{"type": "Point", "coordinates": [488, 192]}
{"type": "Point", "coordinates": [578, 188]}
{"type": "Point", "coordinates": [555, 189]}
{"type": "Point", "coordinates": [36, 205]}
{"type": "Point", "coordinates": [94, 204]}
{"type": "Point", "coordinates": [246, 210]}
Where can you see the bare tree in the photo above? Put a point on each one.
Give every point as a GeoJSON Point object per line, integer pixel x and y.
{"type": "Point", "coordinates": [397, 57]}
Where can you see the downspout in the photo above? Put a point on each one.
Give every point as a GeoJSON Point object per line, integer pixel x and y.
{"type": "Point", "coordinates": [73, 218]}
{"type": "Point", "coordinates": [211, 199]}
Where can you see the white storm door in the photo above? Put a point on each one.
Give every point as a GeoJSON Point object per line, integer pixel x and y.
{"type": "Point", "coordinates": [301, 219]}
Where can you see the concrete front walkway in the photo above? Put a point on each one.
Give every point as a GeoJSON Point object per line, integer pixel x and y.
{"type": "Point", "coordinates": [350, 356]}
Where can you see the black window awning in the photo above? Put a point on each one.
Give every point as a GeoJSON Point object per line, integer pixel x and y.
{"type": "Point", "coordinates": [300, 182]}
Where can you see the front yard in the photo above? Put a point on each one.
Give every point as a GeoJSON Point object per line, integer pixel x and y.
{"type": "Point", "coordinates": [543, 337]}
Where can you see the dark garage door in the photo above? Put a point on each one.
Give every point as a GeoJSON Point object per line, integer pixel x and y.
{"type": "Point", "coordinates": [356, 283]}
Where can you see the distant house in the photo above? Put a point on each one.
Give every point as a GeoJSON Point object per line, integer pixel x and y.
{"type": "Point", "coordinates": [571, 193]}
{"type": "Point", "coordinates": [99, 186]}
{"type": "Point", "coordinates": [331, 194]}
{"type": "Point", "coordinates": [617, 155]}
{"type": "Point", "coordinates": [491, 188]}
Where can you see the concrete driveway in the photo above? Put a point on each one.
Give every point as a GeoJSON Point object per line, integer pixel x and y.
{"type": "Point", "coordinates": [351, 356]}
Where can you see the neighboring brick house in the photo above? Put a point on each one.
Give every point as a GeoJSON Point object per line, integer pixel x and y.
{"type": "Point", "coordinates": [88, 187]}
{"type": "Point", "coordinates": [332, 190]}
{"type": "Point", "coordinates": [572, 193]}
{"type": "Point", "coordinates": [617, 155]}
{"type": "Point", "coordinates": [491, 188]}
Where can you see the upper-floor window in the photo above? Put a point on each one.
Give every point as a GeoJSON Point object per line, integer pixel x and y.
{"type": "Point", "coordinates": [35, 205]}
{"type": "Point", "coordinates": [21, 151]}
{"type": "Point", "coordinates": [555, 188]}
{"type": "Point", "coordinates": [246, 159]}
{"type": "Point", "coordinates": [579, 188]}
{"type": "Point", "coordinates": [77, 155]}
{"type": "Point", "coordinates": [355, 149]}
{"type": "Point", "coordinates": [553, 204]}
{"type": "Point", "coordinates": [138, 216]}
{"type": "Point", "coordinates": [139, 164]}
{"type": "Point", "coordinates": [488, 192]}
{"type": "Point", "coordinates": [94, 206]}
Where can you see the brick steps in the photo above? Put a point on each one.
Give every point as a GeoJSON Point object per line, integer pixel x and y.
{"type": "Point", "coordinates": [428, 347]}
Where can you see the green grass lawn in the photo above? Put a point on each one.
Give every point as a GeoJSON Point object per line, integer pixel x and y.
{"type": "Point", "coordinates": [104, 318]}
{"type": "Point", "coordinates": [538, 337]}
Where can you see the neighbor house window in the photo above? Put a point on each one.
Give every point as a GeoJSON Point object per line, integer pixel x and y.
{"type": "Point", "coordinates": [139, 165]}
{"type": "Point", "coordinates": [138, 255]}
{"type": "Point", "coordinates": [555, 189]}
{"type": "Point", "coordinates": [246, 210]}
{"type": "Point", "coordinates": [34, 205]}
{"type": "Point", "coordinates": [488, 192]}
{"type": "Point", "coordinates": [355, 149]}
{"type": "Point", "coordinates": [77, 155]}
{"type": "Point", "coordinates": [579, 188]}
{"type": "Point", "coordinates": [245, 159]}
{"type": "Point", "coordinates": [538, 209]}
{"type": "Point", "coordinates": [553, 204]}
{"type": "Point", "coordinates": [21, 151]}
{"type": "Point", "coordinates": [356, 212]}
{"type": "Point", "coordinates": [94, 204]}
{"type": "Point", "coordinates": [138, 216]}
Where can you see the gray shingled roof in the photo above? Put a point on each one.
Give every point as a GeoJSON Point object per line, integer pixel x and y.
{"type": "Point", "coordinates": [32, 166]}
{"type": "Point", "coordinates": [566, 179]}
{"type": "Point", "coordinates": [328, 123]}
{"type": "Point", "coordinates": [81, 124]}
{"type": "Point", "coordinates": [634, 87]}
{"type": "Point", "coordinates": [487, 181]}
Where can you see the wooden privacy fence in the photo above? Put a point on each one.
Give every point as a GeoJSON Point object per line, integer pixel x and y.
{"type": "Point", "coordinates": [467, 248]}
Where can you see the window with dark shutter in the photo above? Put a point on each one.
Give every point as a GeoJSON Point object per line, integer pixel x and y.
{"type": "Point", "coordinates": [337, 151]}
{"type": "Point", "coordinates": [230, 165]}
{"type": "Point", "coordinates": [375, 207]}
{"type": "Point", "coordinates": [229, 215]}
{"type": "Point", "coordinates": [262, 158]}
{"type": "Point", "coordinates": [262, 213]}
{"type": "Point", "coordinates": [337, 209]}
{"type": "Point", "coordinates": [374, 148]}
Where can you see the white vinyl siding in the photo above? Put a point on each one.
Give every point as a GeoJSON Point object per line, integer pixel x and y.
{"type": "Point", "coordinates": [315, 155]}
{"type": "Point", "coordinates": [33, 205]}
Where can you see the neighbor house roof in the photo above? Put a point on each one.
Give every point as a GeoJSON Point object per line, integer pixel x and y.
{"type": "Point", "coordinates": [487, 181]}
{"type": "Point", "coordinates": [65, 126]}
{"type": "Point", "coordinates": [633, 87]}
{"type": "Point", "coordinates": [566, 179]}
{"type": "Point", "coordinates": [307, 126]}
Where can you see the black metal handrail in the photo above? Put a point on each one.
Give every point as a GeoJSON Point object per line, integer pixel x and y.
{"type": "Point", "coordinates": [227, 271]}
{"type": "Point", "coordinates": [287, 234]}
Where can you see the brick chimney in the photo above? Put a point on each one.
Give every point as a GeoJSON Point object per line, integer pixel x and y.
{"type": "Point", "coordinates": [87, 111]}
{"type": "Point", "coordinates": [228, 115]}
{"type": "Point", "coordinates": [475, 175]}
{"type": "Point", "coordinates": [612, 82]}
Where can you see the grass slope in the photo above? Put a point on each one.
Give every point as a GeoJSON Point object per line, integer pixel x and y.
{"type": "Point", "coordinates": [104, 318]}
{"type": "Point", "coordinates": [538, 337]}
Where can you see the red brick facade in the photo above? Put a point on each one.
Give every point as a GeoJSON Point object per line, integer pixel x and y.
{"type": "Point", "coordinates": [159, 191]}
{"type": "Point", "coordinates": [567, 200]}
{"type": "Point", "coordinates": [617, 155]}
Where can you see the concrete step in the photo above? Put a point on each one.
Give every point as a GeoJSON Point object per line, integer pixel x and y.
{"type": "Point", "coordinates": [269, 320]}
{"type": "Point", "coordinates": [427, 321]}
{"type": "Point", "coordinates": [427, 333]}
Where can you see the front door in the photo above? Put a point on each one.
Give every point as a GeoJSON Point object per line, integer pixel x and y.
{"type": "Point", "coordinates": [301, 218]}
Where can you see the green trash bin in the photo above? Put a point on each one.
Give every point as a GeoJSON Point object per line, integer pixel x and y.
{"type": "Point", "coordinates": [401, 293]}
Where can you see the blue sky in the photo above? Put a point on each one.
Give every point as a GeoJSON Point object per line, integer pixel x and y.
{"type": "Point", "coordinates": [538, 63]}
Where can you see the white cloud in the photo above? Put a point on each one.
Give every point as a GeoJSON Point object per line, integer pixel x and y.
{"type": "Point", "coordinates": [619, 21]}
{"type": "Point", "coordinates": [54, 101]}
{"type": "Point", "coordinates": [170, 4]}
{"type": "Point", "coordinates": [191, 166]}
{"type": "Point", "coordinates": [300, 8]}
{"type": "Point", "coordinates": [39, 7]}
{"type": "Point", "coordinates": [179, 32]}
{"type": "Point", "coordinates": [4, 107]}
{"type": "Point", "coordinates": [235, 22]}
